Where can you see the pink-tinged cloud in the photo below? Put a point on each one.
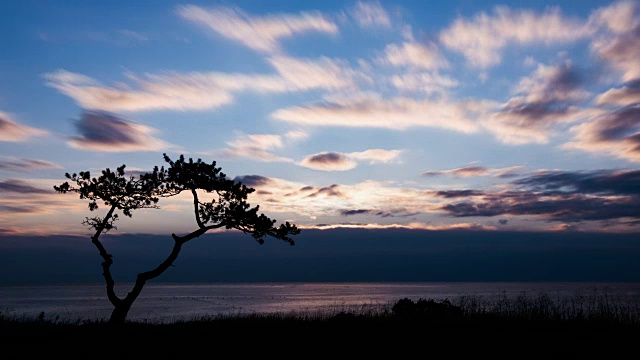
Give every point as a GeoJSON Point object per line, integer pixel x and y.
{"type": "Point", "coordinates": [12, 131]}
{"type": "Point", "coordinates": [482, 39]}
{"type": "Point", "coordinates": [412, 226]}
{"type": "Point", "coordinates": [188, 92]}
{"type": "Point", "coordinates": [396, 114]}
{"type": "Point", "coordinates": [619, 42]}
{"type": "Point", "coordinates": [21, 187]}
{"type": "Point", "coordinates": [203, 90]}
{"type": "Point", "coordinates": [101, 131]}
{"type": "Point", "coordinates": [335, 161]}
{"type": "Point", "coordinates": [370, 14]}
{"type": "Point", "coordinates": [619, 17]}
{"type": "Point", "coordinates": [328, 161]}
{"type": "Point", "coordinates": [426, 82]}
{"type": "Point", "coordinates": [258, 33]}
{"type": "Point", "coordinates": [321, 73]}
{"type": "Point", "coordinates": [616, 133]}
{"type": "Point", "coordinates": [17, 164]}
{"type": "Point", "coordinates": [375, 156]}
{"type": "Point", "coordinates": [257, 147]}
{"type": "Point", "coordinates": [474, 170]}
{"type": "Point", "coordinates": [628, 94]}
{"type": "Point", "coordinates": [599, 196]}
{"type": "Point", "coordinates": [414, 54]}
{"type": "Point", "coordinates": [545, 99]}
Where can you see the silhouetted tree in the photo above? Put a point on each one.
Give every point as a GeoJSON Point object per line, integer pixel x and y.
{"type": "Point", "coordinates": [227, 209]}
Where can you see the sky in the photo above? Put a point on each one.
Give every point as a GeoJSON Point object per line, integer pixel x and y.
{"type": "Point", "coordinates": [503, 118]}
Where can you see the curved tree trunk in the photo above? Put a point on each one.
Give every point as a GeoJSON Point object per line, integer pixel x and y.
{"type": "Point", "coordinates": [119, 314]}
{"type": "Point", "coordinates": [122, 306]}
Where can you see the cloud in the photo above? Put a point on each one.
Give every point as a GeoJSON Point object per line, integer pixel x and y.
{"type": "Point", "coordinates": [321, 73]}
{"type": "Point", "coordinates": [411, 226]}
{"type": "Point", "coordinates": [253, 181]}
{"type": "Point", "coordinates": [261, 34]}
{"type": "Point", "coordinates": [13, 132]}
{"type": "Point", "coordinates": [179, 92]}
{"type": "Point", "coordinates": [413, 54]}
{"type": "Point", "coordinates": [334, 161]}
{"type": "Point", "coordinates": [21, 187]}
{"type": "Point", "coordinates": [466, 171]}
{"type": "Point", "coordinates": [100, 131]}
{"type": "Point", "coordinates": [561, 207]}
{"type": "Point", "coordinates": [11, 163]}
{"type": "Point", "coordinates": [256, 147]}
{"type": "Point", "coordinates": [396, 114]}
{"type": "Point", "coordinates": [423, 82]}
{"type": "Point", "coordinates": [543, 100]}
{"type": "Point", "coordinates": [375, 156]}
{"type": "Point", "coordinates": [619, 17]}
{"type": "Point", "coordinates": [370, 14]}
{"type": "Point", "coordinates": [563, 196]}
{"type": "Point", "coordinates": [628, 94]}
{"type": "Point", "coordinates": [260, 146]}
{"type": "Point", "coordinates": [354, 212]}
{"type": "Point", "coordinates": [615, 133]}
{"type": "Point", "coordinates": [328, 161]}
{"type": "Point", "coordinates": [202, 90]}
{"type": "Point", "coordinates": [482, 38]}
{"type": "Point", "coordinates": [474, 170]}
{"type": "Point", "coordinates": [453, 194]}
{"type": "Point", "coordinates": [599, 182]}
{"type": "Point", "coordinates": [620, 45]}
{"type": "Point", "coordinates": [327, 191]}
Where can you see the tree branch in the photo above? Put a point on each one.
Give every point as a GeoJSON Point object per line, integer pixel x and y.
{"type": "Point", "coordinates": [108, 258]}
{"type": "Point", "coordinates": [195, 208]}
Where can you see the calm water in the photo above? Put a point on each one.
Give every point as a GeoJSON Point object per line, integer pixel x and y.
{"type": "Point", "coordinates": [169, 302]}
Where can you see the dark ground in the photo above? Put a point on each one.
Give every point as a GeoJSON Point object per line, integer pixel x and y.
{"type": "Point", "coordinates": [337, 337]}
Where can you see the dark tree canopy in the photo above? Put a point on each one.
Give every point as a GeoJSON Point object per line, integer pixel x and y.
{"type": "Point", "coordinates": [227, 208]}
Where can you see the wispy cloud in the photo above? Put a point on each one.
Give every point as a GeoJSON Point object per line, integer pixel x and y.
{"type": "Point", "coordinates": [257, 147]}
{"type": "Point", "coordinates": [253, 180]}
{"type": "Point", "coordinates": [260, 33]}
{"type": "Point", "coordinates": [396, 114]}
{"type": "Point", "coordinates": [603, 195]}
{"type": "Point", "coordinates": [474, 170]}
{"type": "Point", "coordinates": [411, 226]}
{"type": "Point", "coordinates": [203, 90]}
{"type": "Point", "coordinates": [482, 39]}
{"type": "Point", "coordinates": [321, 73]}
{"type": "Point", "coordinates": [100, 131]}
{"type": "Point", "coordinates": [627, 94]}
{"type": "Point", "coordinates": [368, 14]}
{"type": "Point", "coordinates": [601, 182]}
{"type": "Point", "coordinates": [329, 161]}
{"type": "Point", "coordinates": [425, 82]}
{"type": "Point", "coordinates": [335, 161]}
{"type": "Point", "coordinates": [375, 156]}
{"type": "Point", "coordinates": [544, 99]}
{"type": "Point", "coordinates": [21, 187]}
{"type": "Point", "coordinates": [414, 54]}
{"type": "Point", "coordinates": [18, 164]}
{"type": "Point", "coordinates": [614, 133]}
{"type": "Point", "coordinates": [619, 44]}
{"type": "Point", "coordinates": [12, 131]}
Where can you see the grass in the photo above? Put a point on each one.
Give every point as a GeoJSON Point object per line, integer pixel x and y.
{"type": "Point", "coordinates": [594, 325]}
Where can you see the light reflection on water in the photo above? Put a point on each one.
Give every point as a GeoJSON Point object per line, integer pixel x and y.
{"type": "Point", "coordinates": [184, 301]}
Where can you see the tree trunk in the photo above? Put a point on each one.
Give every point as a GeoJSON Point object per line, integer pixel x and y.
{"type": "Point", "coordinates": [119, 313]}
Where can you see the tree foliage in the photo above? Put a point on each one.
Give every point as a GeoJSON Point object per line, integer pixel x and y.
{"type": "Point", "coordinates": [227, 208]}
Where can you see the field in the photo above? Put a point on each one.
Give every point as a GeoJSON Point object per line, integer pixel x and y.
{"type": "Point", "coordinates": [522, 327]}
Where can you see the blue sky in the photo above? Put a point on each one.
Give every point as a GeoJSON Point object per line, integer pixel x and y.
{"type": "Point", "coordinates": [511, 116]}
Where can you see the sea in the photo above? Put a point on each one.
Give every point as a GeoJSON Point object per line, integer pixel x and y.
{"type": "Point", "coordinates": [170, 302]}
